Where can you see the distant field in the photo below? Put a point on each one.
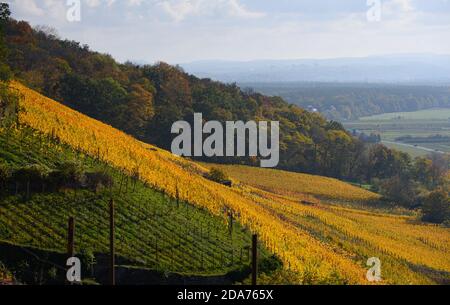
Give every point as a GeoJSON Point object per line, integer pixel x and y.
{"type": "Point", "coordinates": [424, 123]}
{"type": "Point", "coordinates": [428, 114]}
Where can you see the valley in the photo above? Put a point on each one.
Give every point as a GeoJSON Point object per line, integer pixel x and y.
{"type": "Point", "coordinates": [421, 129]}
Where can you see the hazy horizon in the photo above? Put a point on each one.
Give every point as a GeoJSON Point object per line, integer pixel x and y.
{"type": "Point", "coordinates": [184, 31]}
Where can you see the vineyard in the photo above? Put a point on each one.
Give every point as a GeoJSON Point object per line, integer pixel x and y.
{"type": "Point", "coordinates": [317, 242]}
{"type": "Point", "coordinates": [412, 252]}
{"type": "Point", "coordinates": [297, 184]}
{"type": "Point", "coordinates": [152, 230]}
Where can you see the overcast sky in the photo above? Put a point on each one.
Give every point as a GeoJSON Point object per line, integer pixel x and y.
{"type": "Point", "coordinates": [179, 31]}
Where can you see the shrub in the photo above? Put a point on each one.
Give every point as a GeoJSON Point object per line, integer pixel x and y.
{"type": "Point", "coordinates": [217, 175]}
{"type": "Point", "coordinates": [5, 174]}
{"type": "Point", "coordinates": [402, 191]}
{"type": "Point", "coordinates": [67, 175]}
{"type": "Point", "coordinates": [436, 207]}
{"type": "Point", "coordinates": [32, 176]}
{"type": "Point", "coordinates": [97, 180]}
{"type": "Point", "coordinates": [9, 106]}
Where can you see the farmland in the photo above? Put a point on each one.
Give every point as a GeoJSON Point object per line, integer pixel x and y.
{"type": "Point", "coordinates": [299, 218]}
{"type": "Point", "coordinates": [419, 124]}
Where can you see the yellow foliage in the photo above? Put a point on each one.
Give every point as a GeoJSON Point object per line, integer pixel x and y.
{"type": "Point", "coordinates": [289, 183]}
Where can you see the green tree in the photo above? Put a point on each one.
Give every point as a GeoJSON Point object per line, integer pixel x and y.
{"type": "Point", "coordinates": [401, 190]}
{"type": "Point", "coordinates": [5, 13]}
{"type": "Point", "coordinates": [216, 174]}
{"type": "Point", "coordinates": [436, 207]}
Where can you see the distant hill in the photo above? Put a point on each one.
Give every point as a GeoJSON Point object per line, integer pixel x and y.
{"type": "Point", "coordinates": [388, 68]}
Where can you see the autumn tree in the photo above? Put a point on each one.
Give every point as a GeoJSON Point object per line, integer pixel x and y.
{"type": "Point", "coordinates": [5, 13]}
{"type": "Point", "coordinates": [436, 207]}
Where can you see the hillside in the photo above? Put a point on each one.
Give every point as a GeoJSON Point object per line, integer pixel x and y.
{"type": "Point", "coordinates": [317, 243]}
{"type": "Point", "coordinates": [152, 230]}
{"type": "Point", "coordinates": [297, 184]}
{"type": "Point", "coordinates": [350, 220]}
{"type": "Point", "coordinates": [144, 101]}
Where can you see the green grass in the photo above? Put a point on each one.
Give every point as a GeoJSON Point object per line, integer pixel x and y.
{"type": "Point", "coordinates": [152, 230]}
{"type": "Point", "coordinates": [422, 123]}
{"type": "Point", "coordinates": [427, 114]}
{"type": "Point", "coordinates": [412, 151]}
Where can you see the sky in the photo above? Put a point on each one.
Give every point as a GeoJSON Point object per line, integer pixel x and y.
{"type": "Point", "coordinates": [181, 31]}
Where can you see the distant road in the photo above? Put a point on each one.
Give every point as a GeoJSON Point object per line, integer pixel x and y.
{"type": "Point", "coordinates": [414, 146]}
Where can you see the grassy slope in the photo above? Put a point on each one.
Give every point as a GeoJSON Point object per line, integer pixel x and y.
{"type": "Point", "coordinates": [319, 243]}
{"type": "Point", "coordinates": [410, 251]}
{"type": "Point", "coordinates": [188, 239]}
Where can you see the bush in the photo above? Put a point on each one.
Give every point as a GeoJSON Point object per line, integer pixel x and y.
{"type": "Point", "coordinates": [97, 180]}
{"type": "Point", "coordinates": [33, 177]}
{"type": "Point", "coordinates": [9, 106]}
{"type": "Point", "coordinates": [436, 207]}
{"type": "Point", "coordinates": [402, 191]}
{"type": "Point", "coordinates": [217, 175]}
{"type": "Point", "coordinates": [5, 174]}
{"type": "Point", "coordinates": [67, 175]}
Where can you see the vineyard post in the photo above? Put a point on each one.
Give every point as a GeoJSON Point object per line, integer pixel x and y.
{"type": "Point", "coordinates": [254, 259]}
{"type": "Point", "coordinates": [111, 243]}
{"type": "Point", "coordinates": [230, 224]}
{"type": "Point", "coordinates": [178, 196]}
{"type": "Point", "coordinates": [70, 238]}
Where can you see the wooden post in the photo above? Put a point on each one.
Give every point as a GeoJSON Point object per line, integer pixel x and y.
{"type": "Point", "coordinates": [254, 259]}
{"type": "Point", "coordinates": [111, 243]}
{"type": "Point", "coordinates": [70, 238]}
{"type": "Point", "coordinates": [178, 196]}
{"type": "Point", "coordinates": [230, 223]}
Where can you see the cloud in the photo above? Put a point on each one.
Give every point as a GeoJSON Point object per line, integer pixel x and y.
{"type": "Point", "coordinates": [396, 8]}
{"type": "Point", "coordinates": [179, 10]}
{"type": "Point", "coordinates": [27, 7]}
{"type": "Point", "coordinates": [186, 30]}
